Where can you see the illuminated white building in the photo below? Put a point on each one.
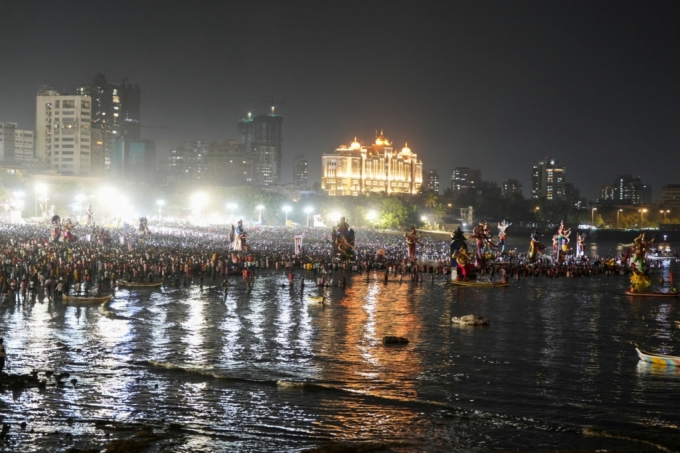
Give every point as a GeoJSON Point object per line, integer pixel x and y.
{"type": "Point", "coordinates": [63, 136]}
{"type": "Point", "coordinates": [15, 144]}
{"type": "Point", "coordinates": [358, 169]}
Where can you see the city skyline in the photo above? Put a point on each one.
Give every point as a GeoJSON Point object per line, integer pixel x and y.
{"type": "Point", "coordinates": [490, 88]}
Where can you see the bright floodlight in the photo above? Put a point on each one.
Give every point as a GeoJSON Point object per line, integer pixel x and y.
{"type": "Point", "coordinates": [372, 214]}
{"type": "Point", "coordinates": [41, 189]}
{"type": "Point", "coordinates": [287, 208]}
{"type": "Point", "coordinates": [309, 209]}
{"type": "Point", "coordinates": [260, 207]}
{"type": "Point", "coordinates": [199, 199]}
{"type": "Point", "coordinates": [231, 206]}
{"type": "Point", "coordinates": [336, 216]}
{"type": "Point", "coordinates": [80, 197]}
{"type": "Point", "coordinates": [423, 218]}
{"type": "Point", "coordinates": [160, 202]}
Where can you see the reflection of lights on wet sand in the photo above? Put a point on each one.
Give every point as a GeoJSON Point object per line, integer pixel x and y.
{"type": "Point", "coordinates": [194, 325]}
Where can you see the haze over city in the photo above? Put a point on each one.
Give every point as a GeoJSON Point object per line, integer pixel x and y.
{"type": "Point", "coordinates": [490, 85]}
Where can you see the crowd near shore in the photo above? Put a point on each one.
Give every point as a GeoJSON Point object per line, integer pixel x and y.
{"type": "Point", "coordinates": [94, 263]}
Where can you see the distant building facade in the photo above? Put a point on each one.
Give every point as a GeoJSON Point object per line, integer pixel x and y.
{"type": "Point", "coordinates": [670, 195]}
{"type": "Point", "coordinates": [511, 186]}
{"type": "Point", "coordinates": [626, 189]}
{"type": "Point", "coordinates": [188, 162]}
{"type": "Point", "coordinates": [361, 169]}
{"type": "Point", "coordinates": [229, 164]}
{"type": "Point", "coordinates": [63, 138]}
{"type": "Point", "coordinates": [464, 178]}
{"type": "Point", "coordinates": [300, 171]}
{"type": "Point", "coordinates": [16, 145]}
{"type": "Point", "coordinates": [134, 160]}
{"type": "Point", "coordinates": [431, 181]}
{"type": "Point", "coordinates": [548, 180]}
{"type": "Point", "coordinates": [115, 113]}
{"type": "Point", "coordinates": [261, 136]}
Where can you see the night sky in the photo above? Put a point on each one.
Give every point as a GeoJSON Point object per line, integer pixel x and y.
{"type": "Point", "coordinates": [488, 84]}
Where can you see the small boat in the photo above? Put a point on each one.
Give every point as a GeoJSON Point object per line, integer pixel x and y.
{"type": "Point", "coordinates": [480, 284]}
{"type": "Point", "coordinates": [660, 359]}
{"type": "Point", "coordinates": [316, 298]}
{"type": "Point", "coordinates": [88, 300]}
{"type": "Point", "coordinates": [651, 294]}
{"type": "Point", "coordinates": [139, 284]}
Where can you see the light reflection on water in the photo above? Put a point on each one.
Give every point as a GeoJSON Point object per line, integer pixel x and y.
{"type": "Point", "coordinates": [557, 352]}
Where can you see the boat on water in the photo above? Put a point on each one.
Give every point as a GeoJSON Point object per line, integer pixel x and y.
{"type": "Point", "coordinates": [87, 300]}
{"type": "Point", "coordinates": [139, 284]}
{"type": "Point", "coordinates": [651, 294]}
{"type": "Point", "coordinates": [659, 359]}
{"type": "Point", "coordinates": [480, 284]}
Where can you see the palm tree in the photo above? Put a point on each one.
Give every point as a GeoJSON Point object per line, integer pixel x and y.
{"type": "Point", "coordinates": [430, 200]}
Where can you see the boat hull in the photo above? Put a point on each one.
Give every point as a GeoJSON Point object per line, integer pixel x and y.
{"type": "Point", "coordinates": [480, 284]}
{"type": "Point", "coordinates": [658, 359]}
{"type": "Point", "coordinates": [128, 284]}
{"type": "Point", "coordinates": [87, 300]}
{"type": "Point", "coordinates": [651, 294]}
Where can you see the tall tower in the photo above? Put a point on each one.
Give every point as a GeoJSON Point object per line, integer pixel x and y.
{"type": "Point", "coordinates": [261, 137]}
{"type": "Point", "coordinates": [115, 112]}
{"type": "Point", "coordinates": [63, 136]}
{"type": "Point", "coordinates": [548, 179]}
{"type": "Point", "coordinates": [300, 174]}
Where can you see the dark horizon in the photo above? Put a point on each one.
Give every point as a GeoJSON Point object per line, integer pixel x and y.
{"type": "Point", "coordinates": [488, 85]}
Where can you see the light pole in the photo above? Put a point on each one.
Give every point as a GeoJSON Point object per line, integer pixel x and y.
{"type": "Point", "coordinates": [308, 210]}
{"type": "Point", "coordinates": [160, 204]}
{"type": "Point", "coordinates": [259, 214]}
{"type": "Point", "coordinates": [617, 218]}
{"type": "Point", "coordinates": [642, 213]}
{"type": "Point", "coordinates": [592, 216]}
{"type": "Point", "coordinates": [371, 216]}
{"type": "Point", "coordinates": [664, 212]}
{"type": "Point", "coordinates": [286, 209]}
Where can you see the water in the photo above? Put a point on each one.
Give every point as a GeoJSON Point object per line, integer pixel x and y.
{"type": "Point", "coordinates": [272, 370]}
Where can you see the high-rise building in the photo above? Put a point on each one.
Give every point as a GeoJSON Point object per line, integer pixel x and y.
{"type": "Point", "coordinates": [188, 162]}
{"type": "Point", "coordinates": [134, 160]}
{"type": "Point", "coordinates": [16, 145]}
{"type": "Point", "coordinates": [431, 181]}
{"type": "Point", "coordinates": [670, 195]}
{"type": "Point", "coordinates": [63, 133]}
{"type": "Point", "coordinates": [547, 180]}
{"type": "Point", "coordinates": [464, 178]}
{"type": "Point", "coordinates": [511, 186]}
{"type": "Point", "coordinates": [300, 171]}
{"type": "Point", "coordinates": [261, 136]}
{"type": "Point", "coordinates": [115, 112]}
{"type": "Point", "coordinates": [229, 164]}
{"type": "Point", "coordinates": [626, 189]}
{"type": "Point", "coordinates": [359, 170]}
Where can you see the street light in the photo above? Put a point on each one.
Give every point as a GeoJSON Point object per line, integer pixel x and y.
{"type": "Point", "coordinates": [592, 216]}
{"type": "Point", "coordinates": [308, 209]}
{"type": "Point", "coordinates": [259, 214]}
{"type": "Point", "coordinates": [286, 209]}
{"type": "Point", "coordinates": [642, 213]}
{"type": "Point", "coordinates": [160, 204]}
{"type": "Point", "coordinates": [198, 201]}
{"type": "Point", "coordinates": [664, 212]}
{"type": "Point", "coordinates": [617, 217]}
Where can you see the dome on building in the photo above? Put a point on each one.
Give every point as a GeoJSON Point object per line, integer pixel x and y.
{"type": "Point", "coordinates": [406, 149]}
{"type": "Point", "coordinates": [355, 144]}
{"type": "Point", "coordinates": [381, 140]}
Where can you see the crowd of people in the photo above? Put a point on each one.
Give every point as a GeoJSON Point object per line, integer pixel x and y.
{"type": "Point", "coordinates": [34, 261]}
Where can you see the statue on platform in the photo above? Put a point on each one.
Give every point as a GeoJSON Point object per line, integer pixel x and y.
{"type": "Point", "coordinates": [580, 245]}
{"type": "Point", "coordinates": [68, 236]}
{"type": "Point", "coordinates": [56, 228]}
{"type": "Point", "coordinates": [143, 226]}
{"type": "Point", "coordinates": [412, 240]}
{"type": "Point", "coordinates": [561, 242]}
{"type": "Point", "coordinates": [239, 237]}
{"type": "Point", "coordinates": [639, 279]}
{"type": "Point", "coordinates": [89, 213]}
{"type": "Point", "coordinates": [535, 247]}
{"type": "Point", "coordinates": [343, 239]}
{"type": "Point", "coordinates": [502, 235]}
{"type": "Point", "coordinates": [482, 237]}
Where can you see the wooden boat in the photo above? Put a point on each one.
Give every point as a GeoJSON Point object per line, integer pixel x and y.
{"type": "Point", "coordinates": [660, 359]}
{"type": "Point", "coordinates": [128, 284]}
{"type": "Point", "coordinates": [651, 294]}
{"type": "Point", "coordinates": [480, 284]}
{"type": "Point", "coordinates": [87, 300]}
